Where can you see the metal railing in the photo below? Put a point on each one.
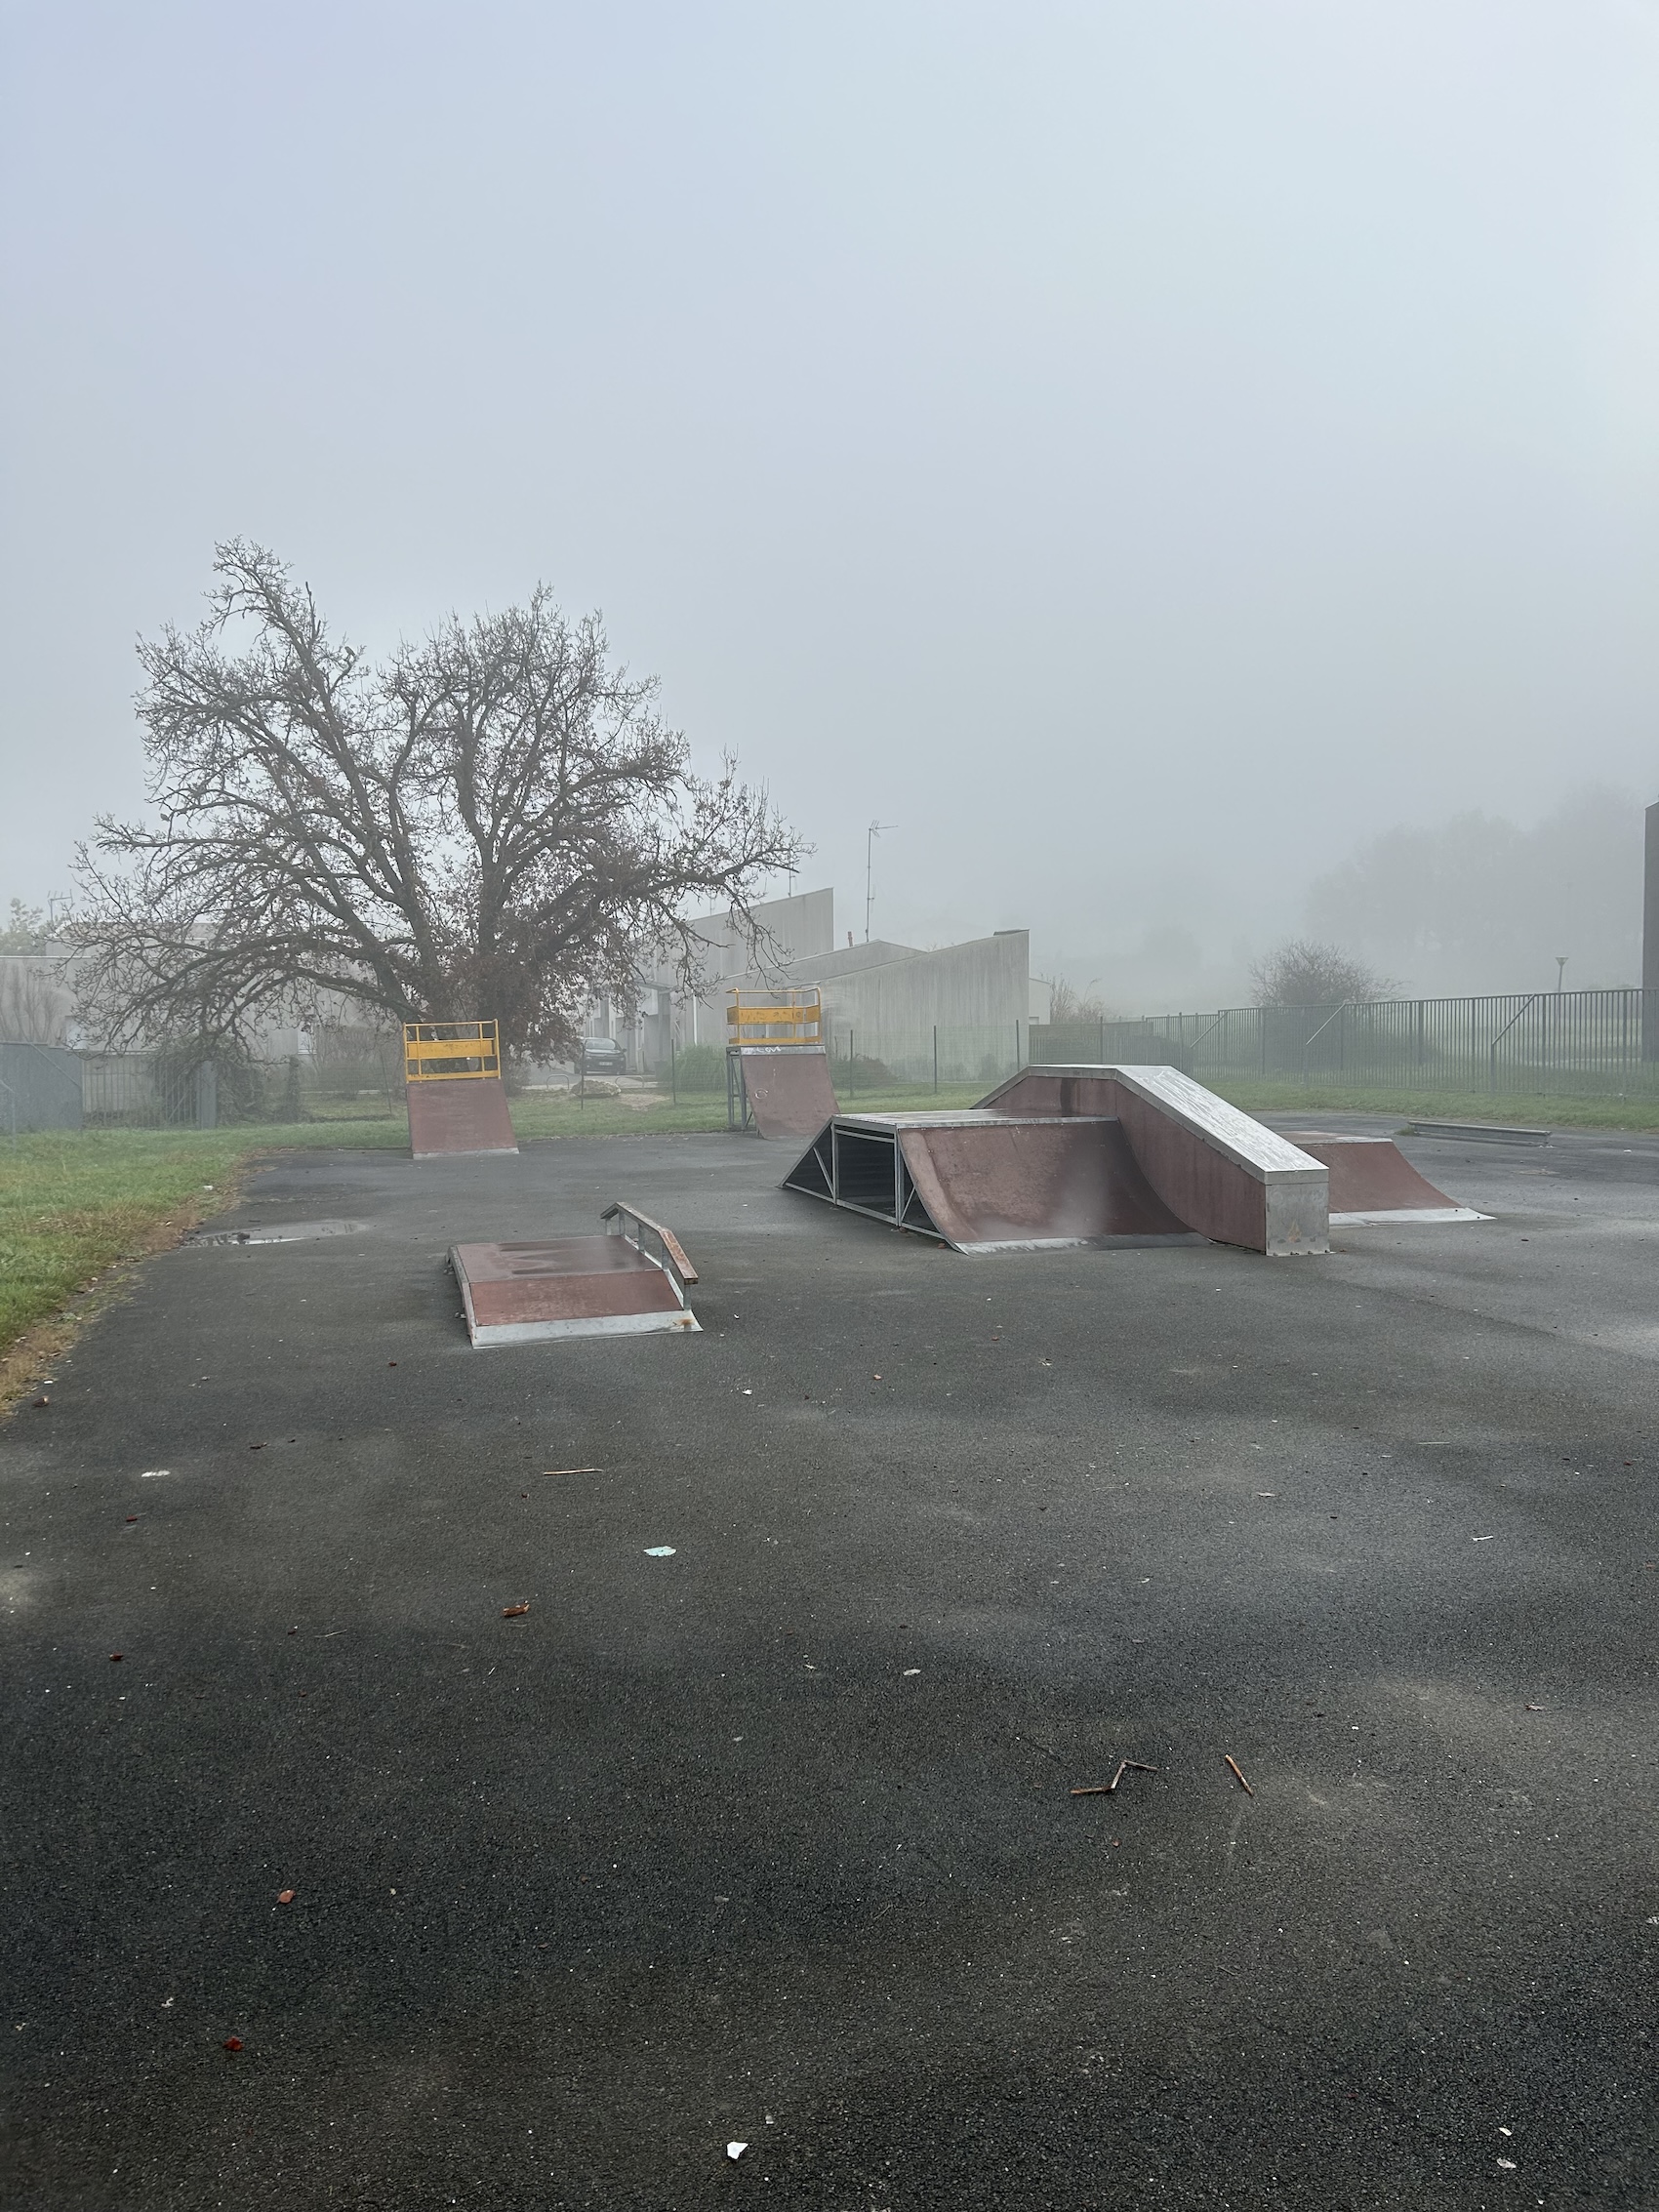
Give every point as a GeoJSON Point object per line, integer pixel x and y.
{"type": "Point", "coordinates": [437, 1052]}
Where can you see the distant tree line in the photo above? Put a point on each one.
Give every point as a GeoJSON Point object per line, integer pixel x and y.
{"type": "Point", "coordinates": [1478, 905]}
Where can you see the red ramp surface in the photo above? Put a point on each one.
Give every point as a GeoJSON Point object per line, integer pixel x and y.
{"type": "Point", "coordinates": [460, 1113]}
{"type": "Point", "coordinates": [989, 1182]}
{"type": "Point", "coordinates": [1372, 1180]}
{"type": "Point", "coordinates": [577, 1286]}
{"type": "Point", "coordinates": [786, 1089]}
{"type": "Point", "coordinates": [1226, 1174]}
{"type": "Point", "coordinates": [1032, 1183]}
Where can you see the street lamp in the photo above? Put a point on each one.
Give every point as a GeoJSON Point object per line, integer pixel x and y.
{"type": "Point", "coordinates": [1561, 959]}
{"type": "Point", "coordinates": [873, 832]}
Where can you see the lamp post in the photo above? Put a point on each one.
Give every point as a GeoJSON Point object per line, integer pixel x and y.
{"type": "Point", "coordinates": [872, 833]}
{"type": "Point", "coordinates": [1561, 959]}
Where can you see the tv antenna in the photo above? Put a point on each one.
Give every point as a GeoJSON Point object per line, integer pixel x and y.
{"type": "Point", "coordinates": [872, 834]}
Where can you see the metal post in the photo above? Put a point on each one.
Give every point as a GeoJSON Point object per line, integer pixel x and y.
{"type": "Point", "coordinates": [873, 832]}
{"type": "Point", "coordinates": [936, 1057]}
{"type": "Point", "coordinates": [674, 1083]}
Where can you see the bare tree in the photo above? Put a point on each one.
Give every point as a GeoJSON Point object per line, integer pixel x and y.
{"type": "Point", "coordinates": [1299, 972]}
{"type": "Point", "coordinates": [28, 929]}
{"type": "Point", "coordinates": [495, 822]}
{"type": "Point", "coordinates": [35, 1006]}
{"type": "Point", "coordinates": [1068, 1005]}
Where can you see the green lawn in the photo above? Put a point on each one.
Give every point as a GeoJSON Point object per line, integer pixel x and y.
{"type": "Point", "coordinates": [538, 1114]}
{"type": "Point", "coordinates": [72, 1205]}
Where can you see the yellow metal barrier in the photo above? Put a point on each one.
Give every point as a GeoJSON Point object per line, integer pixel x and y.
{"type": "Point", "coordinates": [775, 1017]}
{"type": "Point", "coordinates": [434, 1051]}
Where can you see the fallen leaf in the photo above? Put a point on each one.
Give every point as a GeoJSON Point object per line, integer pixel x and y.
{"type": "Point", "coordinates": [232, 2043]}
{"type": "Point", "coordinates": [512, 1612]}
{"type": "Point", "coordinates": [43, 1401]}
{"type": "Point", "coordinates": [285, 1897]}
{"type": "Point", "coordinates": [256, 1447]}
{"type": "Point", "coordinates": [391, 1363]}
{"type": "Point", "coordinates": [114, 1656]}
{"type": "Point", "coordinates": [131, 1517]}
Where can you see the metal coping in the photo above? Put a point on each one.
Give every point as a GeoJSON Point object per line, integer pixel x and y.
{"type": "Point", "coordinates": [1260, 1151]}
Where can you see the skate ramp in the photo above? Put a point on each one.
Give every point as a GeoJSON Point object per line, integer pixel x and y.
{"type": "Point", "coordinates": [1372, 1181]}
{"type": "Point", "coordinates": [536, 1292]}
{"type": "Point", "coordinates": [459, 1115]}
{"type": "Point", "coordinates": [779, 1089]}
{"type": "Point", "coordinates": [988, 1182]}
{"type": "Point", "coordinates": [1216, 1168]}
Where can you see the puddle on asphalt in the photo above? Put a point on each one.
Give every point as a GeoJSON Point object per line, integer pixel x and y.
{"type": "Point", "coordinates": [278, 1232]}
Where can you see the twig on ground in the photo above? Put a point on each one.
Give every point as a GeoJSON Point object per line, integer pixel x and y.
{"type": "Point", "coordinates": [1239, 1772]}
{"type": "Point", "coordinates": [1106, 1789]}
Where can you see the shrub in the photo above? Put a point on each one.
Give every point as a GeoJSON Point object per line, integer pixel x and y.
{"type": "Point", "coordinates": [862, 1074]}
{"type": "Point", "coordinates": [699, 1068]}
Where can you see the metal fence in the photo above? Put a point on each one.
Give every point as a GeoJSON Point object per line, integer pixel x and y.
{"type": "Point", "coordinates": [40, 1088]}
{"type": "Point", "coordinates": [938, 1059]}
{"type": "Point", "coordinates": [1565, 1044]}
{"type": "Point", "coordinates": [50, 1087]}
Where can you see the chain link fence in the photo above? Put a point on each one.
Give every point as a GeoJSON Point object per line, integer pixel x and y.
{"type": "Point", "coordinates": [1583, 1044]}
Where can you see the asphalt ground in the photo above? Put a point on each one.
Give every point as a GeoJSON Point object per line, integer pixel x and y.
{"type": "Point", "coordinates": [771, 1840]}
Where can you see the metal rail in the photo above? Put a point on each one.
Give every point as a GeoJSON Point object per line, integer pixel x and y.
{"type": "Point", "coordinates": [440, 1050]}
{"type": "Point", "coordinates": [775, 1017]}
{"type": "Point", "coordinates": [674, 1261]}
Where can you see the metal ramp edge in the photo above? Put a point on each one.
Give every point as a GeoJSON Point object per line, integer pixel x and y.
{"type": "Point", "coordinates": [880, 1189]}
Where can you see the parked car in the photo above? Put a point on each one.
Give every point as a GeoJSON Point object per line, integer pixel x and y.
{"type": "Point", "coordinates": [603, 1056]}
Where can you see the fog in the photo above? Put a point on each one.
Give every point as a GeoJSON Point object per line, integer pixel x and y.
{"type": "Point", "coordinates": [1144, 454]}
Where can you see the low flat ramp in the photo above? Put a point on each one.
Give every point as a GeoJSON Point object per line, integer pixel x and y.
{"type": "Point", "coordinates": [1373, 1181]}
{"type": "Point", "coordinates": [1479, 1132]}
{"type": "Point", "coordinates": [535, 1292]}
{"type": "Point", "coordinates": [460, 1114]}
{"type": "Point", "coordinates": [786, 1089]}
{"type": "Point", "coordinates": [990, 1182]}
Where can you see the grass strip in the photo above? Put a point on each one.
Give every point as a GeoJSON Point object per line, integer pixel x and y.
{"type": "Point", "coordinates": [1531, 1111]}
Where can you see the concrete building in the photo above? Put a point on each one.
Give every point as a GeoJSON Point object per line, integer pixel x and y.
{"type": "Point", "coordinates": [964, 1005]}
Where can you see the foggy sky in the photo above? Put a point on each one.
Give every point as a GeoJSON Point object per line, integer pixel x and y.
{"type": "Point", "coordinates": [1139, 451]}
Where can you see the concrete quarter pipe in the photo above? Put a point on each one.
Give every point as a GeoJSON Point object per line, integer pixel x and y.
{"type": "Point", "coordinates": [464, 1113]}
{"type": "Point", "coordinates": [452, 1075]}
{"type": "Point", "coordinates": [1075, 1156]}
{"type": "Point", "coordinates": [778, 1090]}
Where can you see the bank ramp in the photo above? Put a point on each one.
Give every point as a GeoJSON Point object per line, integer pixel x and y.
{"type": "Point", "coordinates": [1075, 1156]}
{"type": "Point", "coordinates": [1374, 1184]}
